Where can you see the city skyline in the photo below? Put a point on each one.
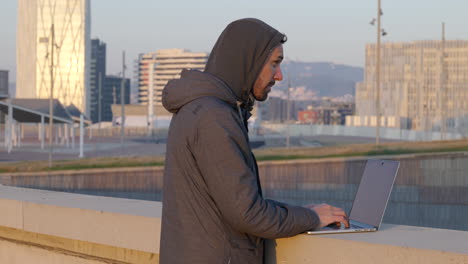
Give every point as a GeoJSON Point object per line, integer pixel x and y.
{"type": "Point", "coordinates": [335, 31]}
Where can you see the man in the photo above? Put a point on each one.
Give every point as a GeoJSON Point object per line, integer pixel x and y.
{"type": "Point", "coordinates": [213, 209]}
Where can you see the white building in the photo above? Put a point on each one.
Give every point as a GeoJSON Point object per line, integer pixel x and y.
{"type": "Point", "coordinates": [155, 69]}
{"type": "Point", "coordinates": [71, 20]}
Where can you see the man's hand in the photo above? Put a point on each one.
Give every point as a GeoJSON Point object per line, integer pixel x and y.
{"type": "Point", "coordinates": [329, 214]}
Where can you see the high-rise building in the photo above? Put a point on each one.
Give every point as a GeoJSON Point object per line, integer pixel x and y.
{"type": "Point", "coordinates": [157, 68]}
{"type": "Point", "coordinates": [3, 84]}
{"type": "Point", "coordinates": [69, 38]}
{"type": "Point", "coordinates": [276, 109]}
{"type": "Point", "coordinates": [424, 85]}
{"type": "Point", "coordinates": [111, 94]}
{"type": "Point", "coordinates": [97, 74]}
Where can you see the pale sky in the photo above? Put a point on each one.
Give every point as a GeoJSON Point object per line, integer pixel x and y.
{"type": "Point", "coordinates": [332, 31]}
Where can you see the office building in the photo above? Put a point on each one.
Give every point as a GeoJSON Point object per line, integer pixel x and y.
{"type": "Point", "coordinates": [275, 109]}
{"type": "Point", "coordinates": [157, 68]}
{"type": "Point", "coordinates": [111, 94]}
{"type": "Point", "coordinates": [3, 84]}
{"type": "Point", "coordinates": [97, 77]}
{"type": "Point", "coordinates": [424, 85]}
{"type": "Point", "coordinates": [68, 43]}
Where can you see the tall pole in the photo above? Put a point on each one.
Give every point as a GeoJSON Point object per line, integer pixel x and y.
{"type": "Point", "coordinates": [444, 96]}
{"type": "Point", "coordinates": [114, 96]}
{"type": "Point", "coordinates": [122, 102]}
{"type": "Point", "coordinates": [150, 99]}
{"type": "Point", "coordinates": [99, 102]}
{"type": "Point", "coordinates": [81, 136]}
{"type": "Point", "coordinates": [6, 125]}
{"type": "Point", "coordinates": [42, 132]}
{"type": "Point", "coordinates": [377, 72]}
{"type": "Point", "coordinates": [10, 126]}
{"type": "Point", "coordinates": [51, 95]}
{"type": "Point", "coordinates": [288, 113]}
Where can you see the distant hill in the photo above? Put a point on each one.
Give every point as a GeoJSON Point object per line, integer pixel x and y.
{"type": "Point", "coordinates": [325, 79]}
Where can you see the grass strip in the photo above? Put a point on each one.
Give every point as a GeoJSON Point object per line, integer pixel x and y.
{"type": "Point", "coordinates": [378, 152]}
{"type": "Point", "coordinates": [102, 166]}
{"type": "Point", "coordinates": [261, 155]}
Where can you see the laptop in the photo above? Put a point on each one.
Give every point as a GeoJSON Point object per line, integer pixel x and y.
{"type": "Point", "coordinates": [371, 199]}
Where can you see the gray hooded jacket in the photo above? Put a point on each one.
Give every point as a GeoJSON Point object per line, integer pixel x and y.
{"type": "Point", "coordinates": [213, 210]}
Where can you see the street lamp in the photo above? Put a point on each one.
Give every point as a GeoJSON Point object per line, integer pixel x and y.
{"type": "Point", "coordinates": [122, 103]}
{"type": "Point", "coordinates": [288, 112]}
{"type": "Point", "coordinates": [380, 32]}
{"type": "Point", "coordinates": [151, 85]}
{"type": "Point", "coordinates": [51, 95]}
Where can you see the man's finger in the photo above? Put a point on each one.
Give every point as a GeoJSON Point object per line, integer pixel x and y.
{"type": "Point", "coordinates": [346, 222]}
{"type": "Point", "coordinates": [339, 212]}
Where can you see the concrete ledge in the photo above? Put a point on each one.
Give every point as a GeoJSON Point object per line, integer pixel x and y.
{"type": "Point", "coordinates": [304, 249]}
{"type": "Point", "coordinates": [93, 226]}
{"type": "Point", "coordinates": [391, 244]}
{"type": "Point", "coordinates": [72, 227]}
{"type": "Point", "coordinates": [63, 250]}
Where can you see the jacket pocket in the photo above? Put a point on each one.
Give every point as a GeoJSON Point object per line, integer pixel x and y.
{"type": "Point", "coordinates": [243, 251]}
{"type": "Point", "coordinates": [244, 246]}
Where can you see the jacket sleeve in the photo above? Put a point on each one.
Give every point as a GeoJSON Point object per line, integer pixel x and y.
{"type": "Point", "coordinates": [221, 151]}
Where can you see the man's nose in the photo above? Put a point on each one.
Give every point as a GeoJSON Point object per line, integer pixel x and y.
{"type": "Point", "coordinates": [278, 74]}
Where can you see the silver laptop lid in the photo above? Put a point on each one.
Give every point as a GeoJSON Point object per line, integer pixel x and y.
{"type": "Point", "coordinates": [373, 192]}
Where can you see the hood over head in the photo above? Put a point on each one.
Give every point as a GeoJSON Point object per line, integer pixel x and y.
{"type": "Point", "coordinates": [192, 85]}
{"type": "Point", "coordinates": [232, 68]}
{"type": "Point", "coordinates": [240, 53]}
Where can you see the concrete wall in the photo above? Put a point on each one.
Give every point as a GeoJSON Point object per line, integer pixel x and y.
{"type": "Point", "coordinates": [55, 228]}
{"type": "Point", "coordinates": [119, 182]}
{"type": "Point", "coordinates": [391, 245]}
{"type": "Point", "coordinates": [359, 131]}
{"type": "Point", "coordinates": [68, 228]}
{"type": "Point", "coordinates": [430, 190]}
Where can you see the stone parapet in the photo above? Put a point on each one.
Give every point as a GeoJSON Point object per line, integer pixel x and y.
{"type": "Point", "coordinates": [52, 227]}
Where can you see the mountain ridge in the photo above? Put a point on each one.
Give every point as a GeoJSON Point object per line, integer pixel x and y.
{"type": "Point", "coordinates": [324, 78]}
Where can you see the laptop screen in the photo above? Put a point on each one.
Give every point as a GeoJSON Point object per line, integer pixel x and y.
{"type": "Point", "coordinates": [374, 191]}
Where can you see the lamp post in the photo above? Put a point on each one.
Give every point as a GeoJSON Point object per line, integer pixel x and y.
{"type": "Point", "coordinates": [122, 103]}
{"type": "Point", "coordinates": [288, 113]}
{"type": "Point", "coordinates": [380, 32]}
{"type": "Point", "coordinates": [443, 123]}
{"type": "Point", "coordinates": [99, 104]}
{"type": "Point", "coordinates": [377, 72]}
{"type": "Point", "coordinates": [51, 95]}
{"type": "Point", "coordinates": [150, 100]}
{"type": "Point", "coordinates": [53, 45]}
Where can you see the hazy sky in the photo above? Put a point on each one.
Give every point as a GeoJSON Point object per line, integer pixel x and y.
{"type": "Point", "coordinates": [333, 30]}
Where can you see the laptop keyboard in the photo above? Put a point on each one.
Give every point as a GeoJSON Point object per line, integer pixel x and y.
{"type": "Point", "coordinates": [354, 226]}
{"type": "Point", "coordinates": [351, 226]}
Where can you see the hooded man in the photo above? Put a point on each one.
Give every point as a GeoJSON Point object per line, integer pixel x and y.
{"type": "Point", "coordinates": [213, 208]}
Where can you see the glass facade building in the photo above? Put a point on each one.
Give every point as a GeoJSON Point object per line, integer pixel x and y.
{"type": "Point", "coordinates": [423, 84]}
{"type": "Point", "coordinates": [3, 84]}
{"type": "Point", "coordinates": [111, 94]}
{"type": "Point", "coordinates": [68, 43]}
{"type": "Point", "coordinates": [97, 74]}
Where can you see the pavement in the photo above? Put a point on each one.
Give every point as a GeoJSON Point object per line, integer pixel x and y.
{"type": "Point", "coordinates": [30, 149]}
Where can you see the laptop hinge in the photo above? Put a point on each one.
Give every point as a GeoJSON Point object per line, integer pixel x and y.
{"type": "Point", "coordinates": [360, 224]}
